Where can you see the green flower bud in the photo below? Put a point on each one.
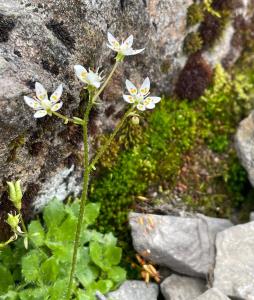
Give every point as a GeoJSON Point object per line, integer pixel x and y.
{"type": "Point", "coordinates": [15, 193]}
{"type": "Point", "coordinates": [13, 221]}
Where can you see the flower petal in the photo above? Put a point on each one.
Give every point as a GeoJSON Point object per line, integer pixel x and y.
{"type": "Point", "coordinates": [55, 97]}
{"type": "Point", "coordinates": [141, 107]}
{"type": "Point", "coordinates": [41, 92]}
{"type": "Point", "coordinates": [81, 72]}
{"type": "Point", "coordinates": [128, 98]}
{"type": "Point", "coordinates": [112, 40]}
{"type": "Point", "coordinates": [131, 51]}
{"type": "Point", "coordinates": [131, 87]}
{"type": "Point", "coordinates": [128, 42]}
{"type": "Point", "coordinates": [40, 114]}
{"type": "Point", "coordinates": [151, 105]}
{"type": "Point", "coordinates": [154, 99]}
{"type": "Point", "coordinates": [57, 106]}
{"type": "Point", "coordinates": [32, 103]}
{"type": "Point", "coordinates": [145, 87]}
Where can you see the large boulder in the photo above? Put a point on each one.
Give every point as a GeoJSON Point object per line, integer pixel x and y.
{"type": "Point", "coordinates": [234, 268]}
{"type": "Point", "coordinates": [213, 294]}
{"type": "Point", "coordinates": [245, 145]}
{"type": "Point", "coordinates": [177, 287]}
{"type": "Point", "coordinates": [135, 290]}
{"type": "Point", "coordinates": [184, 244]}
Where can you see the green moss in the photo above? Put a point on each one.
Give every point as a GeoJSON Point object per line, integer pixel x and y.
{"type": "Point", "coordinates": [14, 145]}
{"type": "Point", "coordinates": [192, 43]}
{"type": "Point", "coordinates": [195, 14]}
{"type": "Point", "coordinates": [152, 155]}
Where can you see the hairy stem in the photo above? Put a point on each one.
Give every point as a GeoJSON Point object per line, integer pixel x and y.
{"type": "Point", "coordinates": [66, 119]}
{"type": "Point", "coordinates": [109, 141]}
{"type": "Point", "coordinates": [92, 99]}
{"type": "Point", "coordinates": [83, 197]}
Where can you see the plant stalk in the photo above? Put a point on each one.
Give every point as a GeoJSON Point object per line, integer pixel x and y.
{"type": "Point", "coordinates": [109, 141]}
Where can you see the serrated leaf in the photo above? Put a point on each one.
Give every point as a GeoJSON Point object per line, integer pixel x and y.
{"type": "Point", "coordinates": [61, 251]}
{"type": "Point", "coordinates": [31, 265]}
{"type": "Point", "coordinates": [105, 256]}
{"type": "Point", "coordinates": [59, 289]}
{"type": "Point", "coordinates": [82, 295]}
{"type": "Point", "coordinates": [49, 270]}
{"type": "Point", "coordinates": [104, 286]}
{"type": "Point", "coordinates": [92, 211]}
{"type": "Point", "coordinates": [117, 274]}
{"type": "Point", "coordinates": [6, 280]}
{"type": "Point", "coordinates": [10, 295]}
{"type": "Point", "coordinates": [34, 294]}
{"type": "Point", "coordinates": [36, 233]}
{"type": "Point", "coordinates": [54, 213]}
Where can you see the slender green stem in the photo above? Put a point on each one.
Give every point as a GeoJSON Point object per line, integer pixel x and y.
{"type": "Point", "coordinates": [83, 198]}
{"type": "Point", "coordinates": [92, 99]}
{"type": "Point", "coordinates": [66, 119]}
{"type": "Point", "coordinates": [106, 81]}
{"type": "Point", "coordinates": [23, 223]}
{"type": "Point", "coordinates": [109, 141]}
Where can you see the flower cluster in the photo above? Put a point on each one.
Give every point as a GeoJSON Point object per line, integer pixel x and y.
{"type": "Point", "coordinates": [138, 97]}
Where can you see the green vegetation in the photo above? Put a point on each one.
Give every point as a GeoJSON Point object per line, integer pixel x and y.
{"type": "Point", "coordinates": [195, 14]}
{"type": "Point", "coordinates": [41, 272]}
{"type": "Point", "coordinates": [155, 153]}
{"type": "Point", "coordinates": [192, 43]}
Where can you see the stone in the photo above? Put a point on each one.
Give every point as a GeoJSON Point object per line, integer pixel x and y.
{"type": "Point", "coordinates": [184, 244]}
{"type": "Point", "coordinates": [213, 294]}
{"type": "Point", "coordinates": [245, 145]}
{"type": "Point", "coordinates": [252, 216]}
{"type": "Point", "coordinates": [177, 287]}
{"type": "Point", "coordinates": [135, 290]}
{"type": "Point", "coordinates": [234, 268]}
{"type": "Point", "coordinates": [41, 41]}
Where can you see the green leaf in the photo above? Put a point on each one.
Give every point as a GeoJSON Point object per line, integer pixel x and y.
{"type": "Point", "coordinates": [117, 274]}
{"type": "Point", "coordinates": [31, 265]}
{"type": "Point", "coordinates": [49, 270]}
{"type": "Point", "coordinates": [36, 233]}
{"type": "Point", "coordinates": [11, 295]}
{"type": "Point", "coordinates": [34, 294]}
{"type": "Point", "coordinates": [105, 256]}
{"type": "Point", "coordinates": [6, 280]}
{"type": "Point", "coordinates": [104, 286]}
{"type": "Point", "coordinates": [62, 251]}
{"type": "Point", "coordinates": [86, 272]}
{"type": "Point", "coordinates": [82, 295]}
{"type": "Point", "coordinates": [54, 213]}
{"type": "Point", "coordinates": [59, 289]}
{"type": "Point", "coordinates": [92, 211]}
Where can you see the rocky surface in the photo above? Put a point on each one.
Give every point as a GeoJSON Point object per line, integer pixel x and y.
{"type": "Point", "coordinates": [245, 145]}
{"type": "Point", "coordinates": [135, 290]}
{"type": "Point", "coordinates": [234, 269]}
{"type": "Point", "coordinates": [185, 245]}
{"type": "Point", "coordinates": [177, 287]}
{"type": "Point", "coordinates": [213, 294]}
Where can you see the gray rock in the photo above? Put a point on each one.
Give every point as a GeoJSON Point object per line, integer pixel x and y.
{"type": "Point", "coordinates": [186, 245]}
{"type": "Point", "coordinates": [42, 40]}
{"type": "Point", "coordinates": [234, 269]}
{"type": "Point", "coordinates": [177, 287]}
{"type": "Point", "coordinates": [213, 294]}
{"type": "Point", "coordinates": [135, 290]}
{"type": "Point", "coordinates": [252, 216]}
{"type": "Point", "coordinates": [245, 145]}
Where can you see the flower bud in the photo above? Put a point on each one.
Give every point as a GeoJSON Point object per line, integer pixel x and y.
{"type": "Point", "coordinates": [13, 221]}
{"type": "Point", "coordinates": [135, 120]}
{"type": "Point", "coordinates": [15, 193]}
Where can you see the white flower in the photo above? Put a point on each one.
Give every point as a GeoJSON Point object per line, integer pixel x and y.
{"type": "Point", "coordinates": [89, 77]}
{"type": "Point", "coordinates": [42, 104]}
{"type": "Point", "coordinates": [140, 97]}
{"type": "Point", "coordinates": [125, 48]}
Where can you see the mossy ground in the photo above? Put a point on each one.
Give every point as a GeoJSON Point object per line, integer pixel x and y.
{"type": "Point", "coordinates": [182, 148]}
